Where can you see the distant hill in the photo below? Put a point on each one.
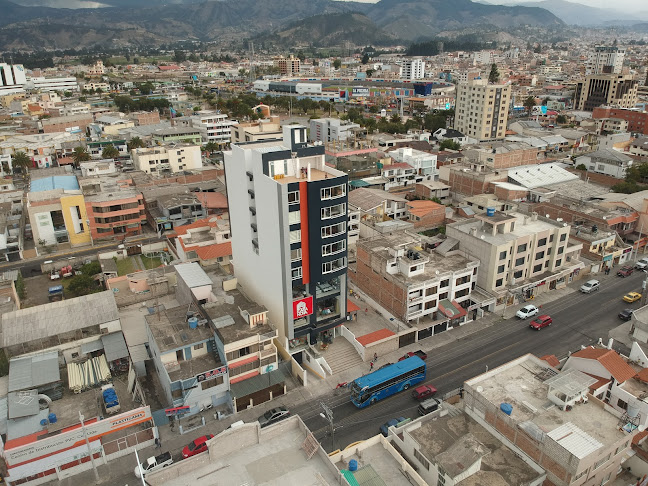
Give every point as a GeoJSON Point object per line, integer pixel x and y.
{"type": "Point", "coordinates": [230, 21]}
{"type": "Point", "coordinates": [578, 14]}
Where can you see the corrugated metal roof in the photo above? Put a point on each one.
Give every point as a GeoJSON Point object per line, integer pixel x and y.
{"type": "Point", "coordinates": [367, 476]}
{"type": "Point", "coordinates": [571, 382]}
{"type": "Point", "coordinates": [531, 176]}
{"type": "Point", "coordinates": [33, 371]}
{"type": "Point", "coordinates": [114, 346]}
{"type": "Point", "coordinates": [575, 440]}
{"type": "Point", "coordinates": [42, 321]}
{"type": "Point", "coordinates": [138, 353]}
{"type": "Point", "coordinates": [193, 275]}
{"type": "Point", "coordinates": [22, 404]}
{"type": "Point", "coordinates": [95, 345]}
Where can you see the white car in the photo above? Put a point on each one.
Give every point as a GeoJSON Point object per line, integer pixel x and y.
{"type": "Point", "coordinates": [590, 286]}
{"type": "Point", "coordinates": [642, 264]}
{"type": "Point", "coordinates": [527, 311]}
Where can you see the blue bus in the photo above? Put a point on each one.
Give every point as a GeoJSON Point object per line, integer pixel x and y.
{"type": "Point", "coordinates": [386, 381]}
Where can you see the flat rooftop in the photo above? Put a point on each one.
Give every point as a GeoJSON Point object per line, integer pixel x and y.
{"type": "Point", "coordinates": [275, 458]}
{"type": "Point", "coordinates": [230, 324]}
{"type": "Point", "coordinates": [520, 383]}
{"type": "Point", "coordinates": [456, 441]}
{"type": "Point", "coordinates": [531, 227]}
{"type": "Point", "coordinates": [171, 330]}
{"type": "Point", "coordinates": [316, 175]}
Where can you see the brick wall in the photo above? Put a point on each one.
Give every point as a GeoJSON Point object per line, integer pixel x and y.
{"type": "Point", "coordinates": [471, 183]}
{"type": "Point", "coordinates": [515, 158]}
{"type": "Point", "coordinates": [604, 180]}
{"type": "Point", "coordinates": [509, 195]}
{"type": "Point", "coordinates": [383, 291]}
{"type": "Point", "coordinates": [432, 219]}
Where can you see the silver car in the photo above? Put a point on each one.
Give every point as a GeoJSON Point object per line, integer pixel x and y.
{"type": "Point", "coordinates": [590, 286]}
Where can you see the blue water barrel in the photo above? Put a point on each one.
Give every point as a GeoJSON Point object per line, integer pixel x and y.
{"type": "Point", "coordinates": [52, 418]}
{"type": "Point", "coordinates": [507, 408]}
{"type": "Point", "coordinates": [193, 322]}
{"type": "Point", "coordinates": [353, 465]}
{"type": "Point", "coordinates": [43, 422]}
{"type": "Point", "coordinates": [490, 211]}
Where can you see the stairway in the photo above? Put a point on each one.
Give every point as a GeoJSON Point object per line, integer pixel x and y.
{"type": "Point", "coordinates": [341, 355]}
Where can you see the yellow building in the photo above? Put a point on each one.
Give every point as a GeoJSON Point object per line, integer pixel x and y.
{"type": "Point", "coordinates": [74, 214]}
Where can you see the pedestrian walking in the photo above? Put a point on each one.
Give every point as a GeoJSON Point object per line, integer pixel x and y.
{"type": "Point", "coordinates": [375, 357]}
{"type": "Point", "coordinates": [158, 443]}
{"type": "Point", "coordinates": [371, 366]}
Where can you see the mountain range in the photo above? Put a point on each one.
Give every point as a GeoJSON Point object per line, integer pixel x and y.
{"type": "Point", "coordinates": [151, 22]}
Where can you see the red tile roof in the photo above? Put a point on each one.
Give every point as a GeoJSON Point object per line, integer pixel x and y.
{"type": "Point", "coordinates": [421, 208]}
{"type": "Point", "coordinates": [599, 383]}
{"type": "Point", "coordinates": [638, 437]}
{"type": "Point", "coordinates": [372, 337]}
{"type": "Point", "coordinates": [211, 221]}
{"type": "Point", "coordinates": [397, 165]}
{"type": "Point", "coordinates": [551, 359]}
{"type": "Point", "coordinates": [212, 200]}
{"type": "Point", "coordinates": [611, 361]}
{"type": "Point", "coordinates": [214, 251]}
{"type": "Point", "coordinates": [643, 375]}
{"type": "Point", "coordinates": [351, 307]}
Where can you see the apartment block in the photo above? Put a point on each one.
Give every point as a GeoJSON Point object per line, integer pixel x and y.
{"type": "Point", "coordinates": [605, 60]}
{"type": "Point", "coordinates": [215, 127]}
{"type": "Point", "coordinates": [481, 109]}
{"type": "Point", "coordinates": [332, 129]}
{"type": "Point", "coordinates": [413, 69]}
{"type": "Point", "coordinates": [177, 135]}
{"type": "Point", "coordinates": [618, 90]}
{"type": "Point", "coordinates": [167, 159]}
{"type": "Point", "coordinates": [521, 256]}
{"type": "Point", "coordinates": [113, 211]}
{"type": "Point", "coordinates": [637, 120]}
{"type": "Point", "coordinates": [550, 418]}
{"type": "Point", "coordinates": [288, 66]}
{"type": "Point", "coordinates": [288, 214]}
{"type": "Point", "coordinates": [69, 123]}
{"type": "Point", "coordinates": [255, 131]}
{"type": "Point", "coordinates": [404, 275]}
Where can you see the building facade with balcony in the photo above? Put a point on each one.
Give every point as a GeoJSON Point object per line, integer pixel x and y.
{"type": "Point", "coordinates": [521, 256]}
{"type": "Point", "coordinates": [289, 232]}
{"type": "Point", "coordinates": [215, 127]}
{"type": "Point", "coordinates": [167, 159]}
{"type": "Point", "coordinates": [168, 211]}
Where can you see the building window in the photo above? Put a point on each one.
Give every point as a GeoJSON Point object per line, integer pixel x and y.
{"type": "Point", "coordinates": [294, 217]}
{"type": "Point", "coordinates": [558, 263]}
{"type": "Point", "coordinates": [519, 261]}
{"type": "Point", "coordinates": [622, 405]}
{"type": "Point", "coordinates": [334, 266]}
{"type": "Point", "coordinates": [542, 242]}
{"type": "Point", "coordinates": [521, 248]}
{"type": "Point", "coordinates": [421, 458]}
{"type": "Point", "coordinates": [537, 268]}
{"type": "Point", "coordinates": [499, 282]}
{"type": "Point", "coordinates": [293, 197]}
{"type": "Point", "coordinates": [333, 192]}
{"type": "Point", "coordinates": [518, 274]}
{"type": "Point", "coordinates": [199, 346]}
{"type": "Point", "coordinates": [333, 230]}
{"type": "Point", "coordinates": [295, 255]}
{"type": "Point", "coordinates": [297, 273]}
{"type": "Point", "coordinates": [295, 236]}
{"type": "Point", "coordinates": [502, 255]}
{"type": "Point", "coordinates": [561, 250]}
{"type": "Point", "coordinates": [334, 211]}
{"type": "Point", "coordinates": [333, 248]}
{"type": "Point", "coordinates": [500, 269]}
{"type": "Point", "coordinates": [539, 255]}
{"type": "Point", "coordinates": [563, 237]}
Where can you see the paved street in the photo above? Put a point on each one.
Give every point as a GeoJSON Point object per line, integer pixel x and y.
{"type": "Point", "coordinates": [579, 319]}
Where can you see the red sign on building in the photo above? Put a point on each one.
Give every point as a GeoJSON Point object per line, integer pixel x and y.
{"type": "Point", "coordinates": [302, 307]}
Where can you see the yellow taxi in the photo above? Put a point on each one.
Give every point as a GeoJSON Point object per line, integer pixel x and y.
{"type": "Point", "coordinates": [632, 297]}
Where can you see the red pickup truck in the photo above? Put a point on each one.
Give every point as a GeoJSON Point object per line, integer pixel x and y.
{"type": "Point", "coordinates": [418, 353]}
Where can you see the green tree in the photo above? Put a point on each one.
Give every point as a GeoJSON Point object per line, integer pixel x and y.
{"type": "Point", "coordinates": [21, 160]}
{"type": "Point", "coordinates": [432, 122]}
{"type": "Point", "coordinates": [194, 58]}
{"type": "Point", "coordinates": [581, 167]}
{"type": "Point", "coordinates": [20, 286]}
{"type": "Point", "coordinates": [370, 72]}
{"type": "Point", "coordinates": [494, 75]}
{"type": "Point", "coordinates": [529, 103]}
{"type": "Point", "coordinates": [179, 56]}
{"type": "Point", "coordinates": [365, 58]}
{"type": "Point", "coordinates": [562, 119]}
{"type": "Point", "coordinates": [374, 109]}
{"type": "Point", "coordinates": [135, 143]}
{"type": "Point", "coordinates": [337, 64]}
{"type": "Point", "coordinates": [67, 94]}
{"type": "Point", "coordinates": [82, 285]}
{"type": "Point", "coordinates": [79, 155]}
{"type": "Point", "coordinates": [92, 268]}
{"type": "Point", "coordinates": [211, 147]}
{"type": "Point", "coordinates": [301, 56]}
{"type": "Point", "coordinates": [449, 144]}
{"type": "Point", "coordinates": [109, 152]}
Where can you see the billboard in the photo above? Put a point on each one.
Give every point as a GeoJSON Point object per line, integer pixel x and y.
{"type": "Point", "coordinates": [359, 91]}
{"type": "Point", "coordinates": [210, 375]}
{"type": "Point", "coordinates": [302, 307]}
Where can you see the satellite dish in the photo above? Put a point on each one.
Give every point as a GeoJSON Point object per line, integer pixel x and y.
{"type": "Point", "coordinates": [480, 389]}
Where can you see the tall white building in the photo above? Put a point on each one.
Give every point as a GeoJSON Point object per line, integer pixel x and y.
{"type": "Point", "coordinates": [481, 109]}
{"type": "Point", "coordinates": [289, 223]}
{"type": "Point", "coordinates": [167, 159]}
{"type": "Point", "coordinates": [215, 127]}
{"type": "Point", "coordinates": [413, 69]}
{"type": "Point", "coordinates": [605, 60]}
{"type": "Point", "coordinates": [12, 74]}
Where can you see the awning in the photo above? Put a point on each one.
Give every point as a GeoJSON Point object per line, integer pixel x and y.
{"type": "Point", "coordinates": [358, 183]}
{"type": "Point", "coordinates": [91, 346]}
{"type": "Point", "coordinates": [114, 346]}
{"type": "Point", "coordinates": [257, 383]}
{"type": "Point", "coordinates": [352, 307]}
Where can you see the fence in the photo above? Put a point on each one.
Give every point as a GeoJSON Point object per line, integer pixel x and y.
{"type": "Point", "coordinates": [126, 445]}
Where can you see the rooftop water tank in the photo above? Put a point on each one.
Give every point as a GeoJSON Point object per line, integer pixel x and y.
{"type": "Point", "coordinates": [43, 422]}
{"type": "Point", "coordinates": [490, 211]}
{"type": "Point", "coordinates": [52, 418]}
{"type": "Point", "coordinates": [507, 408]}
{"type": "Point", "coordinates": [193, 322]}
{"type": "Point", "coordinates": [353, 465]}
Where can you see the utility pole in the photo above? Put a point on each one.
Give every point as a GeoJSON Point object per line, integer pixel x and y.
{"type": "Point", "coordinates": [85, 436]}
{"type": "Point", "coordinates": [328, 415]}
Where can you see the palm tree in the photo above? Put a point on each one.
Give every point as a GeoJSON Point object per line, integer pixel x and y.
{"type": "Point", "coordinates": [136, 143]}
{"type": "Point", "coordinates": [109, 152]}
{"type": "Point", "coordinates": [80, 155]}
{"type": "Point", "coordinates": [22, 160]}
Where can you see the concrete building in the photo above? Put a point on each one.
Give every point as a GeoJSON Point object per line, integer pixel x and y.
{"type": "Point", "coordinates": [520, 256]}
{"type": "Point", "coordinates": [207, 241]}
{"type": "Point", "coordinates": [413, 69]}
{"type": "Point", "coordinates": [164, 212]}
{"type": "Point", "coordinates": [433, 190]}
{"type": "Point", "coordinates": [69, 123]}
{"type": "Point", "coordinates": [167, 159]}
{"type": "Point", "coordinates": [430, 290]}
{"type": "Point", "coordinates": [605, 60]}
{"type": "Point", "coordinates": [423, 163]}
{"type": "Point", "coordinates": [331, 129]}
{"type": "Point", "coordinates": [98, 167]}
{"type": "Point", "coordinates": [605, 161]}
{"type": "Point", "coordinates": [178, 135]}
{"type": "Point", "coordinates": [289, 231]}
{"type": "Point", "coordinates": [288, 66]}
{"type": "Point", "coordinates": [637, 119]}
{"type": "Point", "coordinates": [555, 422]}
{"type": "Point", "coordinates": [52, 84]}
{"type": "Point", "coordinates": [12, 74]}
{"type": "Point", "coordinates": [142, 118]}
{"type": "Point", "coordinates": [255, 131]}
{"type": "Point", "coordinates": [618, 90]}
{"type": "Point", "coordinates": [481, 109]}
{"type": "Point", "coordinates": [214, 127]}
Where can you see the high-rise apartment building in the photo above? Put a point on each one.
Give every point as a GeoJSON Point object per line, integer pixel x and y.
{"type": "Point", "coordinates": [413, 69]}
{"type": "Point", "coordinates": [605, 60]}
{"type": "Point", "coordinates": [288, 66]}
{"type": "Point", "coordinates": [12, 74]}
{"type": "Point", "coordinates": [481, 109]}
{"type": "Point", "coordinates": [618, 90]}
{"type": "Point", "coordinates": [288, 216]}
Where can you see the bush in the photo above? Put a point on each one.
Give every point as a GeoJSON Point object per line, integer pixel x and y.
{"type": "Point", "coordinates": [581, 167]}
{"type": "Point", "coordinates": [92, 268]}
{"type": "Point", "coordinates": [82, 285]}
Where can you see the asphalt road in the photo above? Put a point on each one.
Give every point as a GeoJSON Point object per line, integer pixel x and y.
{"type": "Point", "coordinates": [579, 319]}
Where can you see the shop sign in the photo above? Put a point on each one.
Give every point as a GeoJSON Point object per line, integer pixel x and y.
{"type": "Point", "coordinates": [302, 307]}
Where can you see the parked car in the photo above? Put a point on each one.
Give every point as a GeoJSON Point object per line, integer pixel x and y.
{"type": "Point", "coordinates": [631, 297]}
{"type": "Point", "coordinates": [642, 264]}
{"type": "Point", "coordinates": [423, 391]}
{"type": "Point", "coordinates": [590, 286]}
{"type": "Point", "coordinates": [273, 416]}
{"type": "Point", "coordinates": [625, 271]}
{"type": "Point", "coordinates": [527, 311]}
{"type": "Point", "coordinates": [540, 322]}
{"type": "Point", "coordinates": [390, 423]}
{"type": "Point", "coordinates": [153, 464]}
{"type": "Point", "coordinates": [626, 314]}
{"type": "Point", "coordinates": [418, 353]}
{"type": "Point", "coordinates": [196, 446]}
